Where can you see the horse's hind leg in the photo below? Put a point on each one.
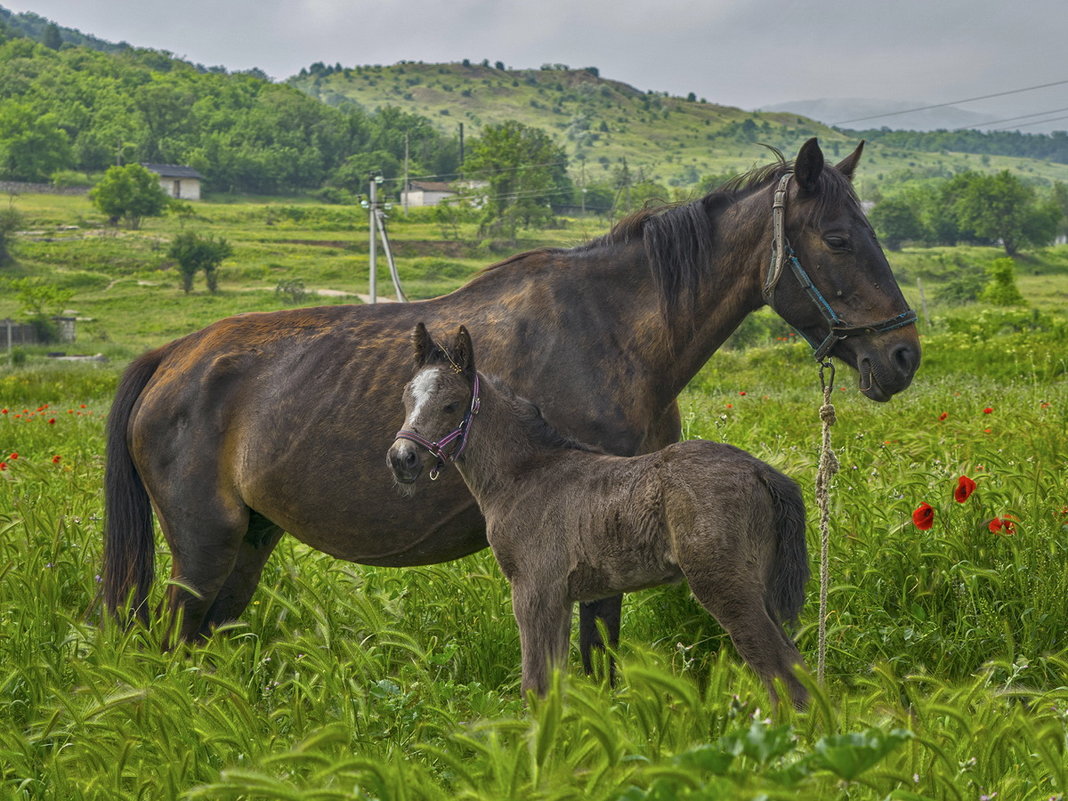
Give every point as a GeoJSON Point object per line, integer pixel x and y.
{"type": "Point", "coordinates": [205, 546]}
{"type": "Point", "coordinates": [255, 548]}
{"type": "Point", "coordinates": [759, 640]}
{"type": "Point", "coordinates": [609, 610]}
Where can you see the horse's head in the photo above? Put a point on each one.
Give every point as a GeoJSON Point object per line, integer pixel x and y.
{"type": "Point", "coordinates": [439, 402]}
{"type": "Point", "coordinates": [852, 307]}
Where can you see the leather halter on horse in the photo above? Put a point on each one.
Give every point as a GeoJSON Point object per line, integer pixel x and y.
{"type": "Point", "coordinates": [781, 252]}
{"type": "Point", "coordinates": [457, 435]}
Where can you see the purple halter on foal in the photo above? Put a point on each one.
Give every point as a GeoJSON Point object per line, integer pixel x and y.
{"type": "Point", "coordinates": [457, 435]}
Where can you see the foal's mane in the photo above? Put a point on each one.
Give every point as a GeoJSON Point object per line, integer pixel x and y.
{"type": "Point", "coordinates": [535, 425]}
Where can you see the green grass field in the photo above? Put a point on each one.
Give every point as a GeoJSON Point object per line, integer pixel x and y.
{"type": "Point", "coordinates": [947, 672]}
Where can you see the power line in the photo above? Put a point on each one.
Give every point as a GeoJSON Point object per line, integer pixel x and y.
{"type": "Point", "coordinates": [1034, 122]}
{"type": "Point", "coordinates": [953, 102]}
{"type": "Point", "coordinates": [1021, 117]}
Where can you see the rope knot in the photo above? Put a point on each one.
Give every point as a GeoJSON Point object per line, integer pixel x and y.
{"type": "Point", "coordinates": [827, 414]}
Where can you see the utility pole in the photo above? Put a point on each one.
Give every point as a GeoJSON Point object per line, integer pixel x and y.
{"type": "Point", "coordinates": [461, 148]}
{"type": "Point", "coordinates": [375, 179]}
{"type": "Point", "coordinates": [377, 224]}
{"type": "Point", "coordinates": [404, 192]}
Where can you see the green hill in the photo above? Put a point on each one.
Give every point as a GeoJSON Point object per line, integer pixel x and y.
{"type": "Point", "coordinates": [600, 122]}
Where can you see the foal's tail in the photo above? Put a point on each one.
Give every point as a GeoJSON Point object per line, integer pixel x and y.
{"type": "Point", "coordinates": [129, 547]}
{"type": "Point", "coordinates": [786, 585]}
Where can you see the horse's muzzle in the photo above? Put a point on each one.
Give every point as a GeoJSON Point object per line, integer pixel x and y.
{"type": "Point", "coordinates": [403, 460]}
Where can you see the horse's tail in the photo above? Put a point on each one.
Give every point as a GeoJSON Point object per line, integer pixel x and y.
{"type": "Point", "coordinates": [129, 546]}
{"type": "Point", "coordinates": [789, 571]}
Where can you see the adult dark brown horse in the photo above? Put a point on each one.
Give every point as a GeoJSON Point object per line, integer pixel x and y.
{"type": "Point", "coordinates": [271, 422]}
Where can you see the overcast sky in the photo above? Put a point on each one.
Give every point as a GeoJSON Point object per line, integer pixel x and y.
{"type": "Point", "coordinates": [746, 53]}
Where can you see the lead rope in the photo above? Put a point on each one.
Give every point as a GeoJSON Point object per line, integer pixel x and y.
{"type": "Point", "coordinates": [827, 468]}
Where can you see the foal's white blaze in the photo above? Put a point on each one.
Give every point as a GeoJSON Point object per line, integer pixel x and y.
{"type": "Point", "coordinates": [423, 387]}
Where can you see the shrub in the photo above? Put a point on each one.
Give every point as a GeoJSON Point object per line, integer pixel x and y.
{"type": "Point", "coordinates": [195, 253]}
{"type": "Point", "coordinates": [1001, 289]}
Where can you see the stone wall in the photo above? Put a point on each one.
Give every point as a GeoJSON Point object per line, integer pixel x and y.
{"type": "Point", "coordinates": [22, 188]}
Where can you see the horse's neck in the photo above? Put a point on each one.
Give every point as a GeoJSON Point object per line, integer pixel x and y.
{"type": "Point", "coordinates": [500, 444]}
{"type": "Point", "coordinates": [729, 291]}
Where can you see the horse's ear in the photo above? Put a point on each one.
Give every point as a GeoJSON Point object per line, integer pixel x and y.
{"type": "Point", "coordinates": [463, 352]}
{"type": "Point", "coordinates": [424, 345]}
{"type": "Point", "coordinates": [808, 166]}
{"type": "Point", "coordinates": [848, 165]}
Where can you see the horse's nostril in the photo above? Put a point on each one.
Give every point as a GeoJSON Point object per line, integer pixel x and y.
{"type": "Point", "coordinates": [410, 459]}
{"type": "Point", "coordinates": [904, 358]}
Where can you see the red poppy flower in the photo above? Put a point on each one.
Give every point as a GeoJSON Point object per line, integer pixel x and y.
{"type": "Point", "coordinates": [56, 458]}
{"type": "Point", "coordinates": [3, 411]}
{"type": "Point", "coordinates": [1003, 525]}
{"type": "Point", "coordinates": [923, 517]}
{"type": "Point", "coordinates": [743, 392]}
{"type": "Point", "coordinates": [52, 422]}
{"type": "Point", "coordinates": [965, 487]}
{"type": "Point", "coordinates": [13, 456]}
{"type": "Point", "coordinates": [3, 465]}
{"type": "Point", "coordinates": [943, 416]}
{"type": "Point", "coordinates": [988, 410]}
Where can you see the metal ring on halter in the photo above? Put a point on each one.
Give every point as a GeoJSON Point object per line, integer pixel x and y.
{"type": "Point", "coordinates": [782, 252]}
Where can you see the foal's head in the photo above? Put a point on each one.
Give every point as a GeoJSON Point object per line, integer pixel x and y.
{"type": "Point", "coordinates": [439, 402]}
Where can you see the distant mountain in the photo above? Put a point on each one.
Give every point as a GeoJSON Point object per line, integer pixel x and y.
{"type": "Point", "coordinates": [860, 113]}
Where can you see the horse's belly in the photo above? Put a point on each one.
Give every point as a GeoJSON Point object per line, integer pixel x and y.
{"type": "Point", "coordinates": [375, 525]}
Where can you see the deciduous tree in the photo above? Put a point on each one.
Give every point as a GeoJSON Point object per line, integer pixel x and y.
{"type": "Point", "coordinates": [130, 193]}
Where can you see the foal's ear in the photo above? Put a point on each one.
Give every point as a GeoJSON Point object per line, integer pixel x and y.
{"type": "Point", "coordinates": [424, 345]}
{"type": "Point", "coordinates": [848, 165]}
{"type": "Point", "coordinates": [463, 352]}
{"type": "Point", "coordinates": [808, 166]}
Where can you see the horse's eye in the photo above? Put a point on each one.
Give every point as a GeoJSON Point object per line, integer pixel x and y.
{"type": "Point", "coordinates": [836, 242]}
{"type": "Point", "coordinates": [450, 408]}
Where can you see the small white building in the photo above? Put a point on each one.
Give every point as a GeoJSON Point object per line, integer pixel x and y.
{"type": "Point", "coordinates": [177, 181]}
{"type": "Point", "coordinates": [426, 193]}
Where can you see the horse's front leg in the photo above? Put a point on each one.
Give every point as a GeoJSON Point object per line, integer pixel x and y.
{"type": "Point", "coordinates": [544, 616]}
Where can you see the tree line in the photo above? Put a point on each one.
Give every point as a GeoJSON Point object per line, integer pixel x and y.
{"type": "Point", "coordinates": [1045, 147]}
{"type": "Point", "coordinates": [972, 208]}
{"type": "Point", "coordinates": [78, 110]}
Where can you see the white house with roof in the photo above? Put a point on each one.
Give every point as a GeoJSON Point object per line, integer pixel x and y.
{"type": "Point", "coordinates": [426, 193]}
{"type": "Point", "coordinates": [177, 181]}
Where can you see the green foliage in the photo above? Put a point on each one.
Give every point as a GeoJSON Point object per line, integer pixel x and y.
{"type": "Point", "coordinates": [10, 222]}
{"type": "Point", "coordinates": [131, 193]}
{"type": "Point", "coordinates": [292, 291]}
{"type": "Point", "coordinates": [895, 221]}
{"type": "Point", "coordinates": [1001, 288]}
{"type": "Point", "coordinates": [32, 144]}
{"type": "Point", "coordinates": [526, 172]}
{"type": "Point", "coordinates": [195, 253]}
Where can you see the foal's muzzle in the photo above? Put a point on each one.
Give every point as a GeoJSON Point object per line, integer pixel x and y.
{"type": "Point", "coordinates": [403, 459]}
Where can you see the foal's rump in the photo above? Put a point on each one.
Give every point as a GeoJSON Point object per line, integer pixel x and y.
{"type": "Point", "coordinates": [734, 512]}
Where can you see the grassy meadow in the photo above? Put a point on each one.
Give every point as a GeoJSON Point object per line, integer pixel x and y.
{"type": "Point", "coordinates": [947, 664]}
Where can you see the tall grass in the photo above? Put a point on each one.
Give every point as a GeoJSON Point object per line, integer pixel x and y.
{"type": "Point", "coordinates": [947, 669]}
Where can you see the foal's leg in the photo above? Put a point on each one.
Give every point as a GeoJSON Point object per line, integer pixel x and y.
{"type": "Point", "coordinates": [544, 618]}
{"type": "Point", "coordinates": [760, 640]}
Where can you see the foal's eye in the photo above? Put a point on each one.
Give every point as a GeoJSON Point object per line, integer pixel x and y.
{"type": "Point", "coordinates": [450, 408]}
{"type": "Point", "coordinates": [836, 242]}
